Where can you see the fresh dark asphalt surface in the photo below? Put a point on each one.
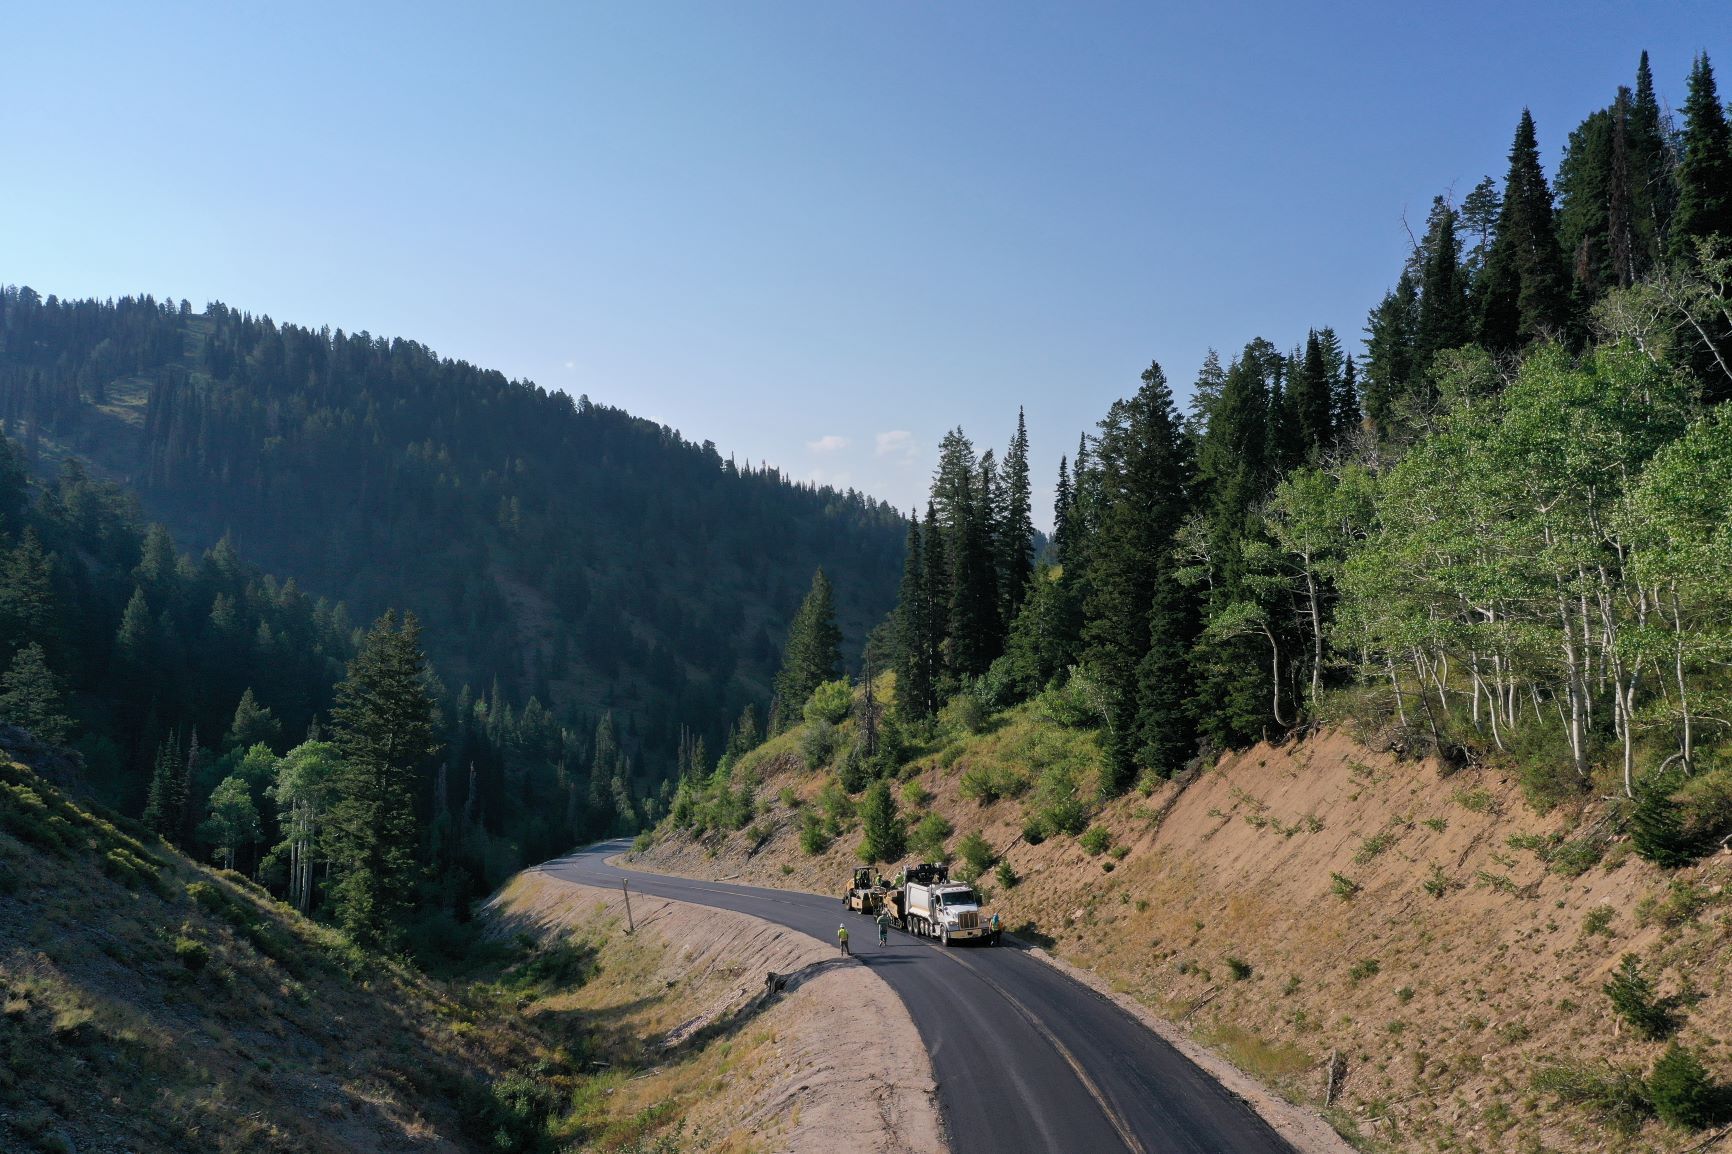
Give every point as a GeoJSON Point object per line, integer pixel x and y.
{"type": "Point", "coordinates": [1027, 1061]}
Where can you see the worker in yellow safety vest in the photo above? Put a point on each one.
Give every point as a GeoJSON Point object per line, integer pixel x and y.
{"type": "Point", "coordinates": [842, 939]}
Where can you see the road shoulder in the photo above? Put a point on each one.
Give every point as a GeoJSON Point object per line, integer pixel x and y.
{"type": "Point", "coordinates": [1303, 1127]}
{"type": "Point", "coordinates": [833, 1062]}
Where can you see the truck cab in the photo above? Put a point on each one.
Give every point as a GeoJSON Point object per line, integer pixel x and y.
{"type": "Point", "coordinates": [948, 911]}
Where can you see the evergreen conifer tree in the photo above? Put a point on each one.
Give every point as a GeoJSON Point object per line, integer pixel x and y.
{"type": "Point", "coordinates": [1683, 1093]}
{"type": "Point", "coordinates": [1313, 399]}
{"type": "Point", "coordinates": [1652, 174]}
{"type": "Point", "coordinates": [1443, 321]}
{"type": "Point", "coordinates": [1016, 538]}
{"type": "Point", "coordinates": [1525, 294]}
{"type": "Point", "coordinates": [937, 614]}
{"type": "Point", "coordinates": [1480, 210]}
{"type": "Point", "coordinates": [1061, 501]}
{"type": "Point", "coordinates": [165, 809]}
{"type": "Point", "coordinates": [1656, 824]}
{"type": "Point", "coordinates": [30, 696]}
{"type": "Point", "coordinates": [253, 725]}
{"type": "Point", "coordinates": [975, 634]}
{"type": "Point", "coordinates": [1704, 165]}
{"type": "Point", "coordinates": [382, 728]}
{"type": "Point", "coordinates": [1143, 458]}
{"type": "Point", "coordinates": [27, 604]}
{"type": "Point", "coordinates": [914, 664]}
{"type": "Point", "coordinates": [1390, 355]}
{"type": "Point", "coordinates": [813, 653]}
{"type": "Point", "coordinates": [1205, 391]}
{"type": "Point", "coordinates": [1346, 401]}
{"type": "Point", "coordinates": [886, 838]}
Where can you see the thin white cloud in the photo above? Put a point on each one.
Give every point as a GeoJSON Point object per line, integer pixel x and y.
{"type": "Point", "coordinates": [828, 443]}
{"type": "Point", "coordinates": [898, 443]}
{"type": "Point", "coordinates": [896, 440]}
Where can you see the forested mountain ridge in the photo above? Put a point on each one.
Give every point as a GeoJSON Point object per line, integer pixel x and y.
{"type": "Point", "coordinates": [572, 552]}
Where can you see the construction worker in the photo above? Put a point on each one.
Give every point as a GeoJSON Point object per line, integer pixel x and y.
{"type": "Point", "coordinates": [884, 928]}
{"type": "Point", "coordinates": [996, 926]}
{"type": "Point", "coordinates": [842, 939]}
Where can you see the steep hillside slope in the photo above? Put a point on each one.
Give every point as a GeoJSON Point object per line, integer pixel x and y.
{"type": "Point", "coordinates": [567, 548]}
{"type": "Point", "coordinates": [151, 1004]}
{"type": "Point", "coordinates": [148, 1004]}
{"type": "Point", "coordinates": [1416, 945]}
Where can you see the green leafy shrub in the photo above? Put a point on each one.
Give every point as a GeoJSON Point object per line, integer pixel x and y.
{"type": "Point", "coordinates": [1343, 887]}
{"type": "Point", "coordinates": [1438, 883]}
{"type": "Point", "coordinates": [1633, 997]}
{"type": "Point", "coordinates": [562, 965]}
{"type": "Point", "coordinates": [929, 837]}
{"type": "Point", "coordinates": [1006, 875]}
{"type": "Point", "coordinates": [1096, 840]}
{"type": "Point", "coordinates": [1576, 857]}
{"type": "Point", "coordinates": [915, 795]}
{"type": "Point", "coordinates": [1705, 804]}
{"type": "Point", "coordinates": [1033, 831]}
{"type": "Point", "coordinates": [1372, 846]}
{"type": "Point", "coordinates": [1599, 921]}
{"type": "Point", "coordinates": [814, 837]}
{"type": "Point", "coordinates": [1364, 968]}
{"type": "Point", "coordinates": [1058, 801]}
{"type": "Point", "coordinates": [1238, 969]}
{"type": "Point", "coordinates": [818, 744]}
{"type": "Point", "coordinates": [966, 713]}
{"type": "Point", "coordinates": [976, 854]}
{"type": "Point", "coordinates": [788, 798]}
{"type": "Point", "coordinates": [1475, 800]}
{"type": "Point", "coordinates": [830, 703]}
{"type": "Point", "coordinates": [1681, 902]}
{"type": "Point", "coordinates": [857, 769]}
{"type": "Point", "coordinates": [1074, 705]}
{"type": "Point", "coordinates": [987, 783]}
{"type": "Point", "coordinates": [191, 953]}
{"type": "Point", "coordinates": [1682, 1093]}
{"type": "Point", "coordinates": [838, 807]}
{"type": "Point", "coordinates": [510, 1116]}
{"type": "Point", "coordinates": [1618, 1097]}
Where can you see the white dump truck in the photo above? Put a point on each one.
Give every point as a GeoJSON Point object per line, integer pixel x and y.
{"type": "Point", "coordinates": [928, 903]}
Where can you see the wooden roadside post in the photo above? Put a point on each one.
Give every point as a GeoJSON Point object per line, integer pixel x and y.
{"type": "Point", "coordinates": [630, 927]}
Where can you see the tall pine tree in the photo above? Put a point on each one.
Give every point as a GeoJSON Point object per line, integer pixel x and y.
{"type": "Point", "coordinates": [1144, 463]}
{"type": "Point", "coordinates": [1444, 321]}
{"type": "Point", "coordinates": [1525, 294]}
{"type": "Point", "coordinates": [916, 664]}
{"type": "Point", "coordinates": [1704, 165]}
{"type": "Point", "coordinates": [1016, 536]}
{"type": "Point", "coordinates": [382, 725]}
{"type": "Point", "coordinates": [813, 653]}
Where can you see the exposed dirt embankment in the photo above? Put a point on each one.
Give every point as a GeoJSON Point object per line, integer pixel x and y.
{"type": "Point", "coordinates": [832, 1063]}
{"type": "Point", "coordinates": [1320, 909]}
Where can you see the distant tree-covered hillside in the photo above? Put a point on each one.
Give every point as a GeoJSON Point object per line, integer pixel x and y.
{"type": "Point", "coordinates": [575, 553]}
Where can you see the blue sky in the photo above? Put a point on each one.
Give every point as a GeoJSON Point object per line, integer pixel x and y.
{"type": "Point", "coordinates": [818, 234]}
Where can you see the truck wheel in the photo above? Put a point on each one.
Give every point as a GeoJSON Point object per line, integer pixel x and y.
{"type": "Point", "coordinates": [944, 936]}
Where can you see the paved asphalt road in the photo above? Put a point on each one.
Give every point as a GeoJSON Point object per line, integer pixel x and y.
{"type": "Point", "coordinates": [1027, 1061]}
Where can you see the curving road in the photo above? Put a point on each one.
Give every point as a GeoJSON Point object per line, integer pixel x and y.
{"type": "Point", "coordinates": [1027, 1061]}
